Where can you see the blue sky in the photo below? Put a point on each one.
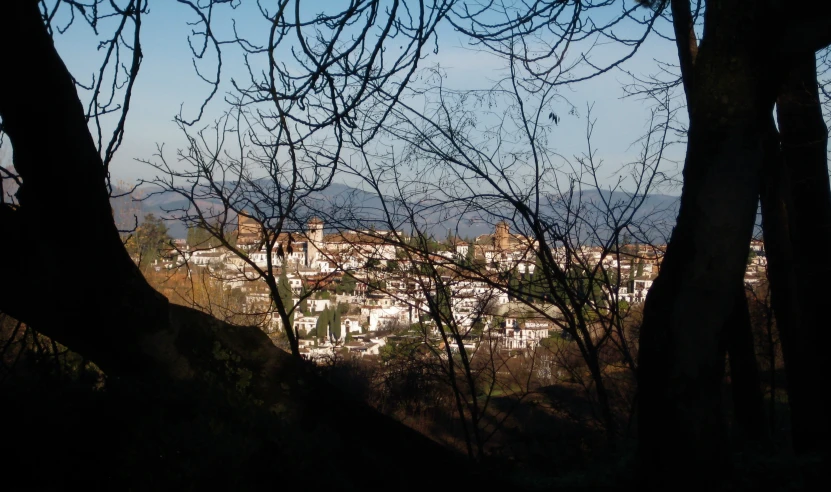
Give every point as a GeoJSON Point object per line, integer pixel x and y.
{"type": "Point", "coordinates": [167, 81]}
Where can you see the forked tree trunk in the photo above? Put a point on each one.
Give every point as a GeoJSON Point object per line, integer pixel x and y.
{"type": "Point", "coordinates": [681, 422]}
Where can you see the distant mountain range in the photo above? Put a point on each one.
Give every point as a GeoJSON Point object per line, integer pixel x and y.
{"type": "Point", "coordinates": [346, 206]}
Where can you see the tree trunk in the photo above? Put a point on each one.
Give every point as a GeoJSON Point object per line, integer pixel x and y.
{"type": "Point", "coordinates": [799, 201]}
{"type": "Point", "coordinates": [603, 400]}
{"type": "Point", "coordinates": [784, 294]}
{"type": "Point", "coordinates": [748, 401]}
{"type": "Point", "coordinates": [804, 144]}
{"type": "Point", "coordinates": [681, 422]}
{"type": "Point", "coordinates": [106, 311]}
{"type": "Point", "coordinates": [57, 159]}
{"type": "Point", "coordinates": [117, 319]}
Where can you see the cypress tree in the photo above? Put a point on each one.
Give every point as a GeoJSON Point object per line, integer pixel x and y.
{"type": "Point", "coordinates": [514, 290]}
{"type": "Point", "coordinates": [284, 289]}
{"type": "Point", "coordinates": [318, 324]}
{"type": "Point", "coordinates": [304, 304]}
{"type": "Point", "coordinates": [335, 329]}
{"type": "Point", "coordinates": [539, 282]}
{"type": "Point", "coordinates": [471, 254]}
{"type": "Point", "coordinates": [323, 323]}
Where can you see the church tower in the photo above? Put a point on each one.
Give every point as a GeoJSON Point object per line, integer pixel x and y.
{"type": "Point", "coordinates": [315, 238]}
{"type": "Point", "coordinates": [502, 236]}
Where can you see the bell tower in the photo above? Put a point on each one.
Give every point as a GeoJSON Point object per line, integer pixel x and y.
{"type": "Point", "coordinates": [315, 238]}
{"type": "Point", "coordinates": [502, 236]}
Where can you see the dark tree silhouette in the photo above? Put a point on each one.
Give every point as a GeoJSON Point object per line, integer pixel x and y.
{"type": "Point", "coordinates": [752, 57]}
{"type": "Point", "coordinates": [164, 348]}
{"type": "Point", "coordinates": [796, 210]}
{"type": "Point", "coordinates": [731, 86]}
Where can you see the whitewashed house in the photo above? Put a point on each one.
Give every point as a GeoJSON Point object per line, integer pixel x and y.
{"type": "Point", "coordinates": [525, 334]}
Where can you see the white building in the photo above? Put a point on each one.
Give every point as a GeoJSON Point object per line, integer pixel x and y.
{"type": "Point", "coordinates": [525, 334]}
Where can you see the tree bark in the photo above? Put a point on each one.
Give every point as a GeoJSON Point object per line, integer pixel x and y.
{"type": "Point", "coordinates": [681, 423]}
{"type": "Point", "coordinates": [56, 158]}
{"type": "Point", "coordinates": [748, 402]}
{"type": "Point", "coordinates": [799, 201]}
{"type": "Point", "coordinates": [117, 319]}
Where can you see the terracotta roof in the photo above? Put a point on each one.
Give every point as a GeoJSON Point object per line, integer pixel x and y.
{"type": "Point", "coordinates": [354, 238]}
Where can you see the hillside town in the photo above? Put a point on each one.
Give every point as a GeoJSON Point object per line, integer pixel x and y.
{"type": "Point", "coordinates": [350, 291]}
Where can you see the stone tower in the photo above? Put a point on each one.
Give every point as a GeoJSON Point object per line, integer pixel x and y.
{"type": "Point", "coordinates": [502, 236]}
{"type": "Point", "coordinates": [248, 229]}
{"type": "Point", "coordinates": [315, 238]}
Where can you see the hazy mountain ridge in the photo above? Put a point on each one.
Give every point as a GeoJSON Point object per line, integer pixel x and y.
{"type": "Point", "coordinates": [345, 206]}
